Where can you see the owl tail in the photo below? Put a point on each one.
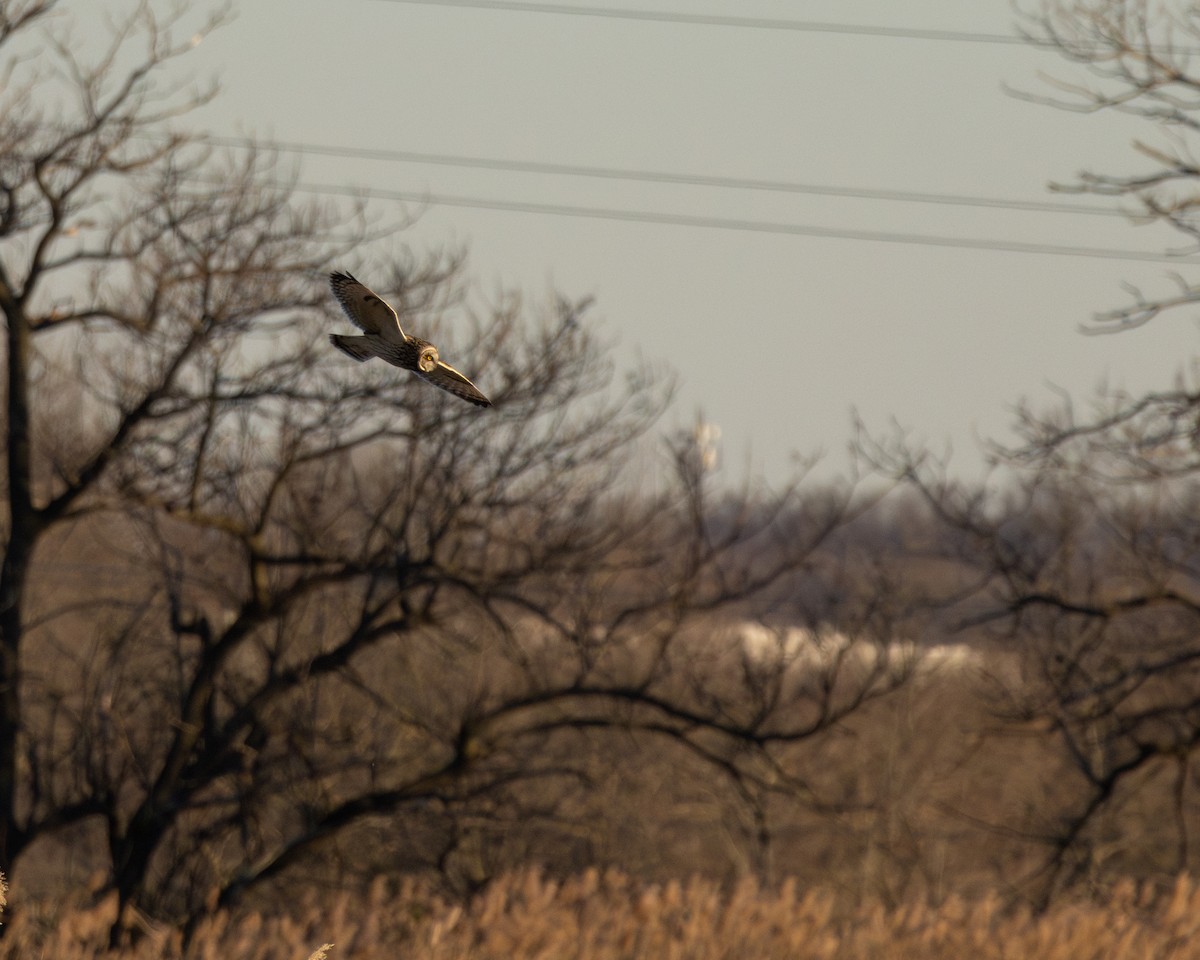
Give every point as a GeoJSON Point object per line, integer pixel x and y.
{"type": "Point", "coordinates": [357, 347]}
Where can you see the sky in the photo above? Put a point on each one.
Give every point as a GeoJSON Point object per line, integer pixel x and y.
{"type": "Point", "coordinates": [778, 324]}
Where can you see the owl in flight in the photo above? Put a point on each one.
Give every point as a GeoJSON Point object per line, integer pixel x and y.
{"type": "Point", "coordinates": [384, 338]}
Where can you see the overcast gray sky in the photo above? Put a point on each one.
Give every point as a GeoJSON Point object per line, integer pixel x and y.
{"type": "Point", "coordinates": [910, 310]}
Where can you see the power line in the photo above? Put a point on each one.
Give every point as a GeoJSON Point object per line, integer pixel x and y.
{"type": "Point", "coordinates": [705, 221]}
{"type": "Point", "coordinates": [662, 176]}
{"type": "Point", "coordinates": [714, 20]}
{"type": "Point", "coordinates": [805, 26]}
{"type": "Point", "coordinates": [752, 226]}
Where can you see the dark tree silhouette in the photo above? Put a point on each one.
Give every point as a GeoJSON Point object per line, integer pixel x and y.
{"type": "Point", "coordinates": [255, 596]}
{"type": "Point", "coordinates": [1082, 552]}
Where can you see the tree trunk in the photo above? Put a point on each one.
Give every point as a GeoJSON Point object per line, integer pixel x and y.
{"type": "Point", "coordinates": [13, 572]}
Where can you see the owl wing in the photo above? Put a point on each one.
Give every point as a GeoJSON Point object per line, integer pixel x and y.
{"type": "Point", "coordinates": [446, 377]}
{"type": "Point", "coordinates": [367, 311]}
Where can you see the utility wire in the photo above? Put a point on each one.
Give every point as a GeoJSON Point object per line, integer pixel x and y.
{"type": "Point", "coordinates": [752, 226]}
{"type": "Point", "coordinates": [715, 20]}
{"type": "Point", "coordinates": [662, 176]}
{"type": "Point", "coordinates": [712, 222]}
{"type": "Point", "coordinates": [802, 26]}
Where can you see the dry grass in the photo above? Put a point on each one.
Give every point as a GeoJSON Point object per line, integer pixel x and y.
{"type": "Point", "coordinates": [605, 916]}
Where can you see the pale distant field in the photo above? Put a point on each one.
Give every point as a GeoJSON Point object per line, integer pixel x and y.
{"type": "Point", "coordinates": [608, 916]}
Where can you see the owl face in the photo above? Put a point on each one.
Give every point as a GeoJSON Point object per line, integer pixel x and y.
{"type": "Point", "coordinates": [427, 359]}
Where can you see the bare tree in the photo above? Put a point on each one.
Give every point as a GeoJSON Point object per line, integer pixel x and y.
{"type": "Point", "coordinates": [255, 597]}
{"type": "Point", "coordinates": [1136, 60]}
{"type": "Point", "coordinates": [1080, 555]}
{"type": "Point", "coordinates": [1091, 589]}
{"type": "Point", "coordinates": [55, 220]}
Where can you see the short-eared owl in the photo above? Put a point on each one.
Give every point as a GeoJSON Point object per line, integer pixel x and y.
{"type": "Point", "coordinates": [385, 339]}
